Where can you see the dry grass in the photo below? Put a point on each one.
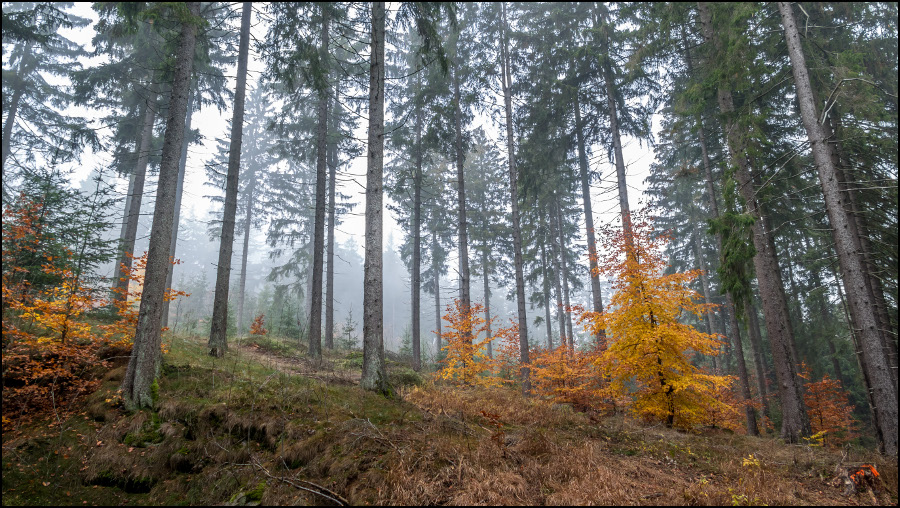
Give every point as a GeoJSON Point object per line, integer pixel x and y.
{"type": "Point", "coordinates": [253, 427]}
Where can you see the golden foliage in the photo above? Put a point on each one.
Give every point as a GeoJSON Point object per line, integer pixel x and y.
{"type": "Point", "coordinates": [649, 348]}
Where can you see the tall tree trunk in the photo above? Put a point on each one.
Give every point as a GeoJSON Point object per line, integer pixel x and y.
{"type": "Point", "coordinates": [332, 193]}
{"type": "Point", "coordinates": [596, 296]}
{"type": "Point", "coordinates": [144, 364]}
{"type": "Point", "coordinates": [248, 220]}
{"type": "Point", "coordinates": [759, 358]}
{"type": "Point", "coordinates": [134, 197]}
{"type": "Point", "coordinates": [487, 300]}
{"type": "Point", "coordinates": [852, 263]}
{"type": "Point", "coordinates": [416, 275]}
{"type": "Point", "coordinates": [506, 79]}
{"type": "Point", "coordinates": [564, 275]}
{"type": "Point", "coordinates": [179, 191]}
{"type": "Point", "coordinates": [610, 85]}
{"type": "Point", "coordinates": [464, 289]}
{"type": "Point", "coordinates": [217, 339]}
{"type": "Point", "coordinates": [795, 423]}
{"type": "Point", "coordinates": [546, 277]}
{"type": "Point", "coordinates": [552, 238]}
{"type": "Point", "coordinates": [315, 316]}
{"type": "Point", "coordinates": [374, 376]}
{"type": "Point", "coordinates": [436, 268]}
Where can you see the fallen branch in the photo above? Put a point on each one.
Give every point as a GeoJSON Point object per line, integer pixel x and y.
{"type": "Point", "coordinates": [316, 489]}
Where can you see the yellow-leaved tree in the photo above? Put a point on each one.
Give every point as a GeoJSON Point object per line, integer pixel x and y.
{"type": "Point", "coordinates": [649, 347]}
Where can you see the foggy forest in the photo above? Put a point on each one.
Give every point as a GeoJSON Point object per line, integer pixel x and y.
{"type": "Point", "coordinates": [449, 253]}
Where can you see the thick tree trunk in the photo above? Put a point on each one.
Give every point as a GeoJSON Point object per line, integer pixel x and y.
{"type": "Point", "coordinates": [464, 276]}
{"type": "Point", "coordinates": [315, 316]}
{"type": "Point", "coordinates": [374, 376]}
{"type": "Point", "coordinates": [852, 263]}
{"type": "Point", "coordinates": [133, 199]}
{"type": "Point", "coordinates": [596, 296]}
{"type": "Point", "coordinates": [144, 364]}
{"type": "Point", "coordinates": [217, 340]}
{"type": "Point", "coordinates": [795, 423]}
{"type": "Point", "coordinates": [332, 193]}
{"type": "Point", "coordinates": [179, 191]}
{"type": "Point", "coordinates": [416, 276]}
{"type": "Point", "coordinates": [506, 79]}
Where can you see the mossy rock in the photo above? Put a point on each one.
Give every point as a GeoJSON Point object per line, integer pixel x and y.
{"type": "Point", "coordinates": [250, 497]}
{"type": "Point", "coordinates": [405, 377]}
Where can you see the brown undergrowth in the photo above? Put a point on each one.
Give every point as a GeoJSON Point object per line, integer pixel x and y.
{"type": "Point", "coordinates": [264, 425]}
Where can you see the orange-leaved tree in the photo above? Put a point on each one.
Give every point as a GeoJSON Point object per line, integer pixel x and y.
{"type": "Point", "coordinates": [829, 410]}
{"type": "Point", "coordinates": [466, 361]}
{"type": "Point", "coordinates": [649, 348]}
{"type": "Point", "coordinates": [259, 327]}
{"type": "Point", "coordinates": [566, 376]}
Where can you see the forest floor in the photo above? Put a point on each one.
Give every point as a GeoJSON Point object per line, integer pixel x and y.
{"type": "Point", "coordinates": [266, 426]}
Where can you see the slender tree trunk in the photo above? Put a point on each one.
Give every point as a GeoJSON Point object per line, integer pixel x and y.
{"type": "Point", "coordinates": [144, 364]}
{"type": "Point", "coordinates": [749, 412]}
{"type": "Point", "coordinates": [332, 193]}
{"type": "Point", "coordinates": [610, 85]}
{"type": "Point", "coordinates": [464, 288]}
{"type": "Point", "coordinates": [506, 79]}
{"type": "Point", "coordinates": [416, 275]}
{"type": "Point", "coordinates": [487, 300]}
{"type": "Point", "coordinates": [698, 252]}
{"type": "Point", "coordinates": [545, 276]}
{"type": "Point", "coordinates": [596, 296]}
{"type": "Point", "coordinates": [759, 358]}
{"type": "Point", "coordinates": [134, 198]}
{"type": "Point", "coordinates": [853, 266]}
{"type": "Point", "coordinates": [179, 191]}
{"type": "Point", "coordinates": [436, 268]}
{"type": "Point", "coordinates": [315, 317]}
{"type": "Point", "coordinates": [795, 423]}
{"type": "Point", "coordinates": [248, 221]}
{"type": "Point", "coordinates": [374, 376]}
{"type": "Point", "coordinates": [564, 275]}
{"type": "Point", "coordinates": [217, 340]}
{"type": "Point", "coordinates": [557, 275]}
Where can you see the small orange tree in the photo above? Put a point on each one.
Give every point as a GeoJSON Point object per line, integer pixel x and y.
{"type": "Point", "coordinates": [259, 327]}
{"type": "Point", "coordinates": [566, 376]}
{"type": "Point", "coordinates": [648, 347]}
{"type": "Point", "coordinates": [829, 410]}
{"type": "Point", "coordinates": [466, 361]}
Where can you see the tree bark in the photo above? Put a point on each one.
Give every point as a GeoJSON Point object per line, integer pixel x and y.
{"type": "Point", "coordinates": [464, 275]}
{"type": "Point", "coordinates": [436, 268]}
{"type": "Point", "coordinates": [506, 79]}
{"type": "Point", "coordinates": [546, 278]}
{"type": "Point", "coordinates": [315, 315]}
{"type": "Point", "coordinates": [795, 423]}
{"type": "Point", "coordinates": [552, 238]}
{"type": "Point", "coordinates": [179, 192]}
{"type": "Point", "coordinates": [144, 364]}
{"type": "Point", "coordinates": [217, 340]}
{"type": "Point", "coordinates": [596, 296]}
{"type": "Point", "coordinates": [332, 193]}
{"type": "Point", "coordinates": [758, 355]}
{"type": "Point", "coordinates": [248, 220]}
{"type": "Point", "coordinates": [487, 301]}
{"type": "Point", "coordinates": [135, 195]}
{"type": "Point", "coordinates": [416, 275]}
{"type": "Point", "coordinates": [852, 263]}
{"type": "Point", "coordinates": [374, 376]}
{"type": "Point", "coordinates": [564, 275]}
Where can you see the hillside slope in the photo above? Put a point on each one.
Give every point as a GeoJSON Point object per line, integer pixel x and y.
{"type": "Point", "coordinates": [262, 426]}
